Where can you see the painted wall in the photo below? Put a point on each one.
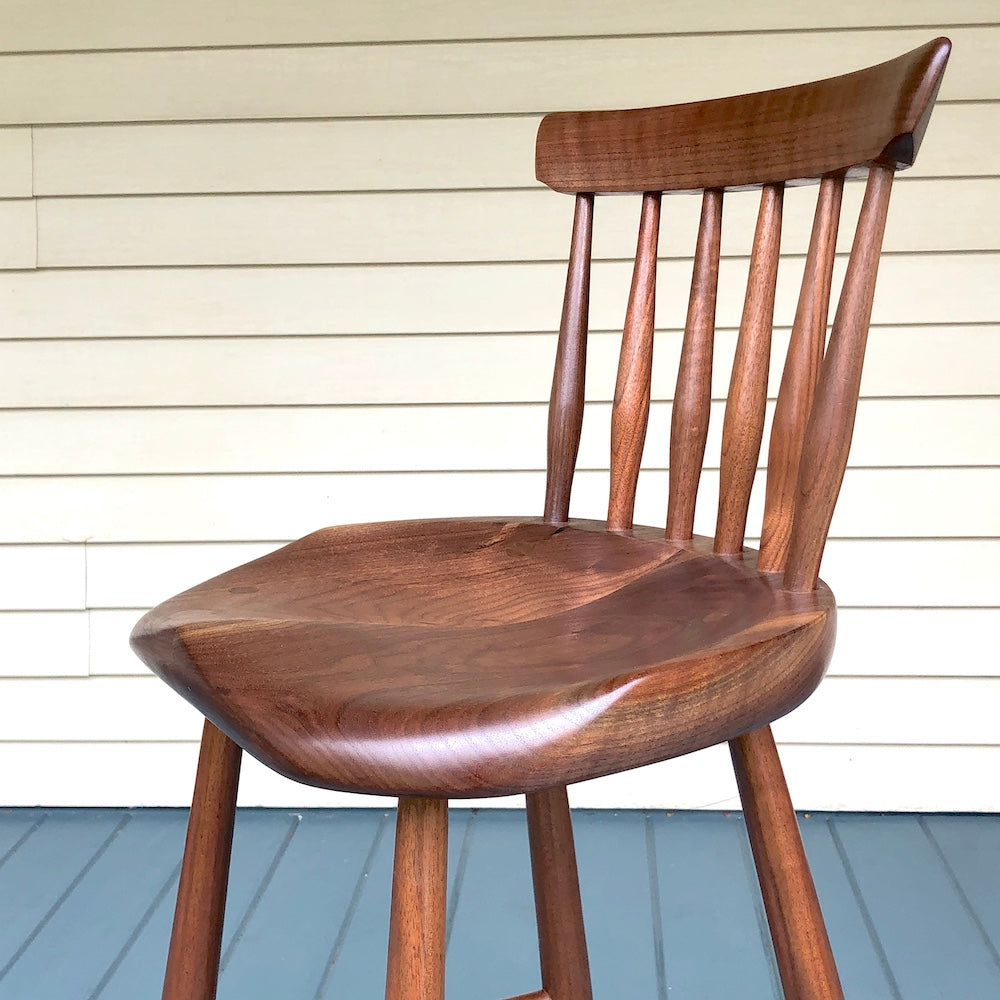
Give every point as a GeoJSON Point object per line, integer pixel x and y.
{"type": "Point", "coordinates": [273, 266]}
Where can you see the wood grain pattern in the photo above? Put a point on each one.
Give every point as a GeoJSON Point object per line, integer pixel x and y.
{"type": "Point", "coordinates": [743, 427]}
{"type": "Point", "coordinates": [196, 940]}
{"type": "Point", "coordinates": [415, 969]}
{"type": "Point", "coordinates": [877, 114]}
{"type": "Point", "coordinates": [801, 944]}
{"type": "Point", "coordinates": [562, 941]}
{"type": "Point", "coordinates": [630, 411]}
{"type": "Point", "coordinates": [566, 400]}
{"type": "Point", "coordinates": [798, 379]}
{"type": "Point", "coordinates": [693, 395]}
{"type": "Point", "coordinates": [831, 422]}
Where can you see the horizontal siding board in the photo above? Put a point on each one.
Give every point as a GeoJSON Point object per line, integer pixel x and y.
{"type": "Point", "coordinates": [874, 502]}
{"type": "Point", "coordinates": [15, 163]}
{"type": "Point", "coordinates": [862, 572]}
{"type": "Point", "coordinates": [17, 223]}
{"type": "Point", "coordinates": [44, 643]}
{"type": "Point", "coordinates": [920, 432]}
{"type": "Point", "coordinates": [42, 577]}
{"type": "Point", "coordinates": [935, 289]}
{"type": "Point", "coordinates": [854, 710]}
{"type": "Point", "coordinates": [436, 227]}
{"type": "Point", "coordinates": [878, 642]}
{"type": "Point", "coordinates": [454, 78]}
{"type": "Point", "coordinates": [52, 25]}
{"type": "Point", "coordinates": [370, 155]}
{"type": "Point", "coordinates": [471, 368]}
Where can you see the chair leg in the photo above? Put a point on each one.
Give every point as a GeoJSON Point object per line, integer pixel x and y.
{"type": "Point", "coordinates": [801, 944]}
{"type": "Point", "coordinates": [196, 939]}
{"type": "Point", "coordinates": [415, 968]}
{"type": "Point", "coordinates": [562, 942]}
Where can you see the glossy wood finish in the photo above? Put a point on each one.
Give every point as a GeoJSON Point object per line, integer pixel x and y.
{"type": "Point", "coordinates": [743, 428]}
{"type": "Point", "coordinates": [831, 421]}
{"type": "Point", "coordinates": [566, 400]}
{"type": "Point", "coordinates": [801, 944]}
{"type": "Point", "coordinates": [462, 658]}
{"type": "Point", "coordinates": [693, 395]}
{"type": "Point", "coordinates": [196, 940]}
{"type": "Point", "coordinates": [417, 923]}
{"type": "Point", "coordinates": [630, 411]}
{"type": "Point", "coordinates": [562, 941]}
{"type": "Point", "coordinates": [876, 115]}
{"type": "Point", "coordinates": [798, 380]}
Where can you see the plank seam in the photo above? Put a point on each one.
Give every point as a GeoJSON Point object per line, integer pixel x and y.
{"type": "Point", "coordinates": [460, 870]}
{"type": "Point", "coordinates": [659, 952]}
{"type": "Point", "coordinates": [12, 850]}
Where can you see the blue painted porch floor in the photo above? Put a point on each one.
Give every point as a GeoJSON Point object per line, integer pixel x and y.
{"type": "Point", "coordinates": [672, 908]}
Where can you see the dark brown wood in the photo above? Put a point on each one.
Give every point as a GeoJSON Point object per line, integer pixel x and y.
{"type": "Point", "coordinates": [630, 411]}
{"type": "Point", "coordinates": [798, 380]}
{"type": "Point", "coordinates": [877, 114]}
{"type": "Point", "coordinates": [693, 395]}
{"type": "Point", "coordinates": [415, 969]}
{"type": "Point", "coordinates": [196, 939]}
{"type": "Point", "coordinates": [743, 428]}
{"type": "Point", "coordinates": [562, 941]}
{"type": "Point", "coordinates": [464, 658]}
{"type": "Point", "coordinates": [801, 944]}
{"type": "Point", "coordinates": [831, 422]}
{"type": "Point", "coordinates": [566, 400]}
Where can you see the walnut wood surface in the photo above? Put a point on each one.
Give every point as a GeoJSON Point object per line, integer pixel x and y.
{"type": "Point", "coordinates": [462, 658]}
{"type": "Point", "coordinates": [743, 427]}
{"type": "Point", "coordinates": [798, 380]}
{"type": "Point", "coordinates": [196, 940]}
{"type": "Point", "coordinates": [630, 411]}
{"type": "Point", "coordinates": [831, 421]}
{"type": "Point", "coordinates": [693, 395]}
{"type": "Point", "coordinates": [562, 941]}
{"type": "Point", "coordinates": [417, 922]}
{"type": "Point", "coordinates": [874, 115]}
{"type": "Point", "coordinates": [566, 400]}
{"type": "Point", "coordinates": [801, 944]}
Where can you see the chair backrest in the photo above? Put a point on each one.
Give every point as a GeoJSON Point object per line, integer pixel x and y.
{"type": "Point", "coordinates": [866, 123]}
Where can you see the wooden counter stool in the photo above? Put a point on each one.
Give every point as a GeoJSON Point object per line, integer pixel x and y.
{"type": "Point", "coordinates": [431, 660]}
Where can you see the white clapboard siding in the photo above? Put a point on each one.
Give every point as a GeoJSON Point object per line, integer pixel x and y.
{"type": "Point", "coordinates": [371, 154]}
{"type": "Point", "coordinates": [113, 24]}
{"type": "Point", "coordinates": [15, 163]}
{"type": "Point", "coordinates": [874, 502]}
{"type": "Point", "coordinates": [859, 710]}
{"type": "Point", "coordinates": [398, 438]}
{"type": "Point", "coordinates": [42, 577]}
{"type": "Point", "coordinates": [820, 777]}
{"type": "Point", "coordinates": [879, 642]}
{"type": "Point", "coordinates": [935, 289]}
{"type": "Point", "coordinates": [944, 572]}
{"type": "Point", "coordinates": [44, 643]}
{"type": "Point", "coordinates": [456, 78]}
{"type": "Point", "coordinates": [17, 226]}
{"type": "Point", "coordinates": [471, 368]}
{"type": "Point", "coordinates": [436, 227]}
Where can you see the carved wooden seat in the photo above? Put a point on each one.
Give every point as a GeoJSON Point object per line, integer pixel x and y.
{"type": "Point", "coordinates": [455, 658]}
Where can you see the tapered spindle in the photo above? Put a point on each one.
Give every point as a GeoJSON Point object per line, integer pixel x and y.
{"type": "Point", "coordinates": [743, 427]}
{"type": "Point", "coordinates": [831, 422]}
{"type": "Point", "coordinates": [693, 395]}
{"type": "Point", "coordinates": [566, 400]}
{"type": "Point", "coordinates": [798, 380]}
{"type": "Point", "coordinates": [630, 412]}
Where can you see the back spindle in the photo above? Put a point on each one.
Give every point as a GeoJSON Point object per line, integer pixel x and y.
{"type": "Point", "coordinates": [743, 427]}
{"type": "Point", "coordinates": [630, 412]}
{"type": "Point", "coordinates": [798, 380]}
{"type": "Point", "coordinates": [566, 400]}
{"type": "Point", "coordinates": [831, 422]}
{"type": "Point", "coordinates": [693, 395]}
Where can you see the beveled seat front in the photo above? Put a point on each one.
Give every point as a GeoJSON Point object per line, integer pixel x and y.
{"type": "Point", "coordinates": [487, 656]}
